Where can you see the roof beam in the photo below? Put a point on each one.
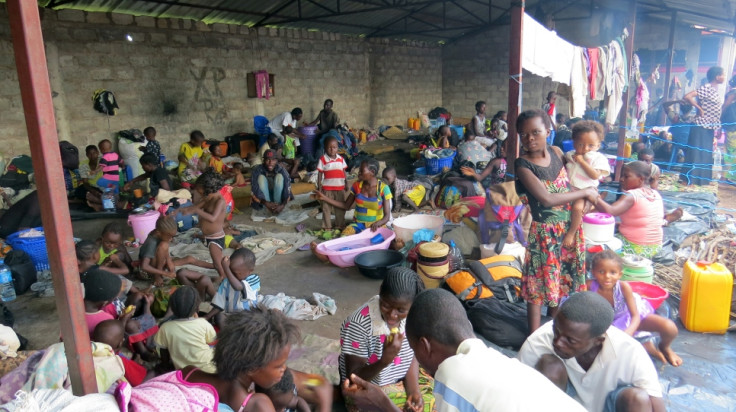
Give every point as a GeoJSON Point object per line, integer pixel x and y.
{"type": "Point", "coordinates": [424, 5]}
{"type": "Point", "coordinates": [468, 12]}
{"type": "Point", "coordinates": [273, 13]}
{"type": "Point", "coordinates": [394, 21]}
{"type": "Point", "coordinates": [484, 28]}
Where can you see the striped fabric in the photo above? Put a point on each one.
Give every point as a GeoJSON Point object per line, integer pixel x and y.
{"type": "Point", "coordinates": [370, 209]}
{"type": "Point", "coordinates": [363, 334]}
{"type": "Point", "coordinates": [333, 172]}
{"type": "Point", "coordinates": [110, 163]}
{"type": "Point", "coordinates": [230, 300]}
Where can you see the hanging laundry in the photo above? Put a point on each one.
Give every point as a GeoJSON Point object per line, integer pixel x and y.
{"type": "Point", "coordinates": [601, 75]}
{"type": "Point", "coordinates": [263, 88]}
{"type": "Point", "coordinates": [578, 84]}
{"type": "Point", "coordinates": [616, 81]}
{"type": "Point", "coordinates": [593, 73]}
{"type": "Point", "coordinates": [545, 53]}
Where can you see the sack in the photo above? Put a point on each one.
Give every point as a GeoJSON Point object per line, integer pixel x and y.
{"type": "Point", "coordinates": [501, 322]}
{"type": "Point", "coordinates": [161, 298]}
{"type": "Point", "coordinates": [498, 276]}
{"type": "Point", "coordinates": [104, 102]}
{"type": "Point", "coordinates": [183, 222]}
{"type": "Point", "coordinates": [23, 270]}
{"type": "Point", "coordinates": [134, 135]}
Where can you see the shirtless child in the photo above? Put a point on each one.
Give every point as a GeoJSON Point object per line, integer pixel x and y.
{"type": "Point", "coordinates": [212, 210]}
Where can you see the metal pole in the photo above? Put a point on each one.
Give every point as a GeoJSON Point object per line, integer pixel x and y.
{"type": "Point", "coordinates": [629, 46]}
{"type": "Point", "coordinates": [668, 70]}
{"type": "Point", "coordinates": [515, 83]}
{"type": "Point", "coordinates": [33, 76]}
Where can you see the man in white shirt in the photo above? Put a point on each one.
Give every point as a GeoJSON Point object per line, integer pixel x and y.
{"type": "Point", "coordinates": [284, 119]}
{"type": "Point", "coordinates": [599, 365]}
{"type": "Point", "coordinates": [468, 375]}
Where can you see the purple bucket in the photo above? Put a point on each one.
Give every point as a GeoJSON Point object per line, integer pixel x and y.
{"type": "Point", "coordinates": [307, 143]}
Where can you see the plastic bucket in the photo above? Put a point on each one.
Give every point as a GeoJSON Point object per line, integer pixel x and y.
{"type": "Point", "coordinates": [143, 224]}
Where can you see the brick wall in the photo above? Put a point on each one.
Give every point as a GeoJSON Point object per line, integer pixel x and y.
{"type": "Point", "coordinates": [198, 71]}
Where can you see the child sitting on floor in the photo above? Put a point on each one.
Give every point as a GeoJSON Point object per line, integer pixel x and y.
{"type": "Point", "coordinates": [111, 164]}
{"type": "Point", "coordinates": [114, 257]}
{"type": "Point", "coordinates": [332, 182]}
{"type": "Point", "coordinates": [631, 312]}
{"type": "Point", "coordinates": [238, 178]}
{"type": "Point", "coordinates": [213, 157]}
{"type": "Point", "coordinates": [100, 288]}
{"type": "Point", "coordinates": [239, 290]}
{"type": "Point", "coordinates": [211, 210]}
{"type": "Point", "coordinates": [288, 153]}
{"type": "Point", "coordinates": [186, 339]}
{"type": "Point", "coordinates": [585, 166]}
{"type": "Point", "coordinates": [87, 255]}
{"type": "Point", "coordinates": [155, 260]}
{"type": "Point", "coordinates": [646, 155]}
{"type": "Point", "coordinates": [111, 332]}
{"type": "Point", "coordinates": [413, 194]}
{"type": "Point", "coordinates": [159, 177]}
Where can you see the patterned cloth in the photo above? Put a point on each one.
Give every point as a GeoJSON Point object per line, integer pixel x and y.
{"type": "Point", "coordinates": [369, 209]}
{"type": "Point", "coordinates": [710, 101]}
{"type": "Point", "coordinates": [229, 300]}
{"type": "Point", "coordinates": [472, 151]}
{"type": "Point", "coordinates": [169, 392]}
{"type": "Point", "coordinates": [110, 163]}
{"type": "Point", "coordinates": [551, 272]}
{"type": "Point", "coordinates": [188, 171]}
{"type": "Point", "coordinates": [647, 251]}
{"type": "Point", "coordinates": [153, 147]}
{"type": "Point", "coordinates": [363, 334]}
{"type": "Point", "coordinates": [397, 393]}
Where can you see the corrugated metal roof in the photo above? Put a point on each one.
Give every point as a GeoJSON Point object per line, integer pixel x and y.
{"type": "Point", "coordinates": [430, 20]}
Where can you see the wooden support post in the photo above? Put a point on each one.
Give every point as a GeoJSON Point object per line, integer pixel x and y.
{"type": "Point", "coordinates": [515, 84]}
{"type": "Point", "coordinates": [33, 76]}
{"type": "Point", "coordinates": [629, 46]}
{"type": "Point", "coordinates": [668, 69]}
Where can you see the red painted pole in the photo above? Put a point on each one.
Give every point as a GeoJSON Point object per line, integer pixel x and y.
{"type": "Point", "coordinates": [515, 84]}
{"type": "Point", "coordinates": [33, 76]}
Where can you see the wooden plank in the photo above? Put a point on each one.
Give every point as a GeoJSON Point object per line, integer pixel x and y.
{"type": "Point", "coordinates": [33, 76]}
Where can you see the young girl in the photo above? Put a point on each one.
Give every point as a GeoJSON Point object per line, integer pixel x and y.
{"type": "Point", "coordinates": [212, 210]}
{"type": "Point", "coordinates": [155, 260]}
{"type": "Point", "coordinates": [551, 272]}
{"type": "Point", "coordinates": [100, 288]}
{"type": "Point", "coordinates": [585, 165]}
{"type": "Point", "coordinates": [370, 197]}
{"type": "Point", "coordinates": [640, 209]}
{"type": "Point", "coordinates": [375, 349]}
{"type": "Point", "coordinates": [186, 339]}
{"type": "Point", "coordinates": [113, 256]}
{"type": "Point", "coordinates": [631, 312]}
{"type": "Point", "coordinates": [331, 182]}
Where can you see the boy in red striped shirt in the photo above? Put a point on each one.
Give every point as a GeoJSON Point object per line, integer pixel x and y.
{"type": "Point", "coordinates": [332, 182]}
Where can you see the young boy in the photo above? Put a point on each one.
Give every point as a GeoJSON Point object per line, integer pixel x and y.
{"type": "Point", "coordinates": [152, 147]}
{"type": "Point", "coordinates": [214, 157]}
{"type": "Point", "coordinates": [113, 258]}
{"type": "Point", "coordinates": [646, 155]}
{"type": "Point", "coordinates": [239, 290]}
{"type": "Point", "coordinates": [332, 182]}
{"type": "Point", "coordinates": [159, 176]}
{"type": "Point", "coordinates": [87, 255]}
{"type": "Point", "coordinates": [411, 193]}
{"type": "Point", "coordinates": [212, 210]}
{"type": "Point", "coordinates": [111, 164]}
{"type": "Point", "coordinates": [289, 159]}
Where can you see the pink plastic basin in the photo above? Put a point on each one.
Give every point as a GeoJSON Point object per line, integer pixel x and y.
{"type": "Point", "coordinates": [654, 294]}
{"type": "Point", "coordinates": [599, 219]}
{"type": "Point", "coordinates": [355, 244]}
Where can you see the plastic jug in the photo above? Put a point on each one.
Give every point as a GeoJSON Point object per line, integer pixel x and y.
{"type": "Point", "coordinates": [706, 297]}
{"type": "Point", "coordinates": [7, 288]}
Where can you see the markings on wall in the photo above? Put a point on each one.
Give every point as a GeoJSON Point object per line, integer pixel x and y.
{"type": "Point", "coordinates": [208, 95]}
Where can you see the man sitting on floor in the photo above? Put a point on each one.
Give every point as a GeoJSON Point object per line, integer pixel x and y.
{"type": "Point", "coordinates": [271, 185]}
{"type": "Point", "coordinates": [468, 375]}
{"type": "Point", "coordinates": [597, 364]}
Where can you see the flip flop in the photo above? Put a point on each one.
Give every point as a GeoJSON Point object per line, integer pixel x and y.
{"type": "Point", "coordinates": [303, 247]}
{"type": "Point", "coordinates": [300, 227]}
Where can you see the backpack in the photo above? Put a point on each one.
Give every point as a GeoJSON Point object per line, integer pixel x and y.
{"type": "Point", "coordinates": [497, 276]}
{"type": "Point", "coordinates": [501, 322]}
{"type": "Point", "coordinates": [104, 102]}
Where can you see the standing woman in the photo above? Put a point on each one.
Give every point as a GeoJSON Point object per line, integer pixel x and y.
{"type": "Point", "coordinates": [707, 101]}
